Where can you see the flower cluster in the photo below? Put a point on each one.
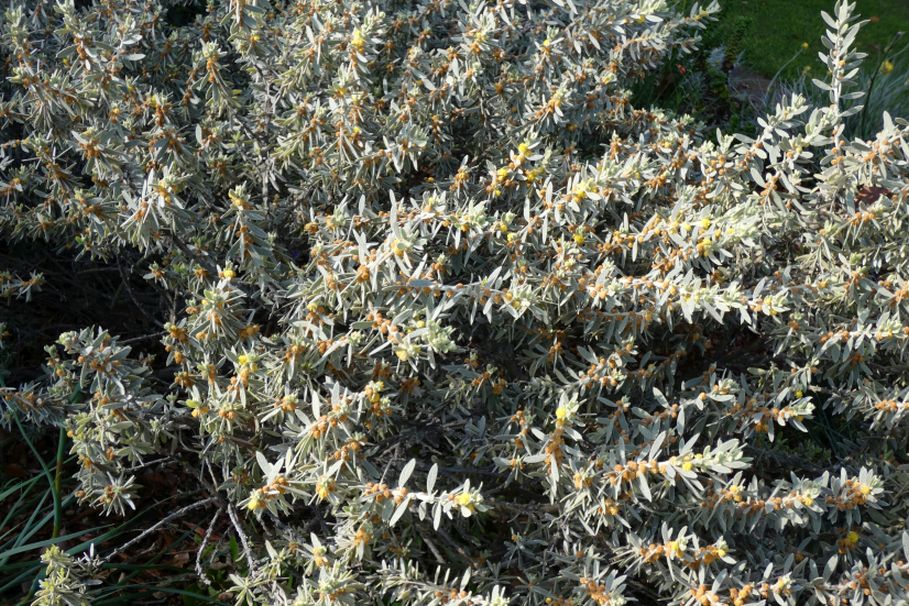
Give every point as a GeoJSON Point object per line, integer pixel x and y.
{"type": "Point", "coordinates": [455, 321]}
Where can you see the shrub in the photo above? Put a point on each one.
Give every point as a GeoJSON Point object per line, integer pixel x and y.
{"type": "Point", "coordinates": [453, 321]}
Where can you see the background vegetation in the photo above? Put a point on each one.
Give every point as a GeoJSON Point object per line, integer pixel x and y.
{"type": "Point", "coordinates": [770, 32]}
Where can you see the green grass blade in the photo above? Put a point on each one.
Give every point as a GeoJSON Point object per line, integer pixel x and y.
{"type": "Point", "coordinates": [49, 542]}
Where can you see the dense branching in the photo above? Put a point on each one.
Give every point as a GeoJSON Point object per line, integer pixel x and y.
{"type": "Point", "coordinates": [456, 322]}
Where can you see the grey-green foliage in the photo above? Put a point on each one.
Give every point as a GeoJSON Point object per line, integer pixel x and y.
{"type": "Point", "coordinates": [61, 584]}
{"type": "Point", "coordinates": [462, 325]}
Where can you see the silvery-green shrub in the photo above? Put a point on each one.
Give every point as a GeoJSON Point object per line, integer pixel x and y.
{"type": "Point", "coordinates": [459, 321]}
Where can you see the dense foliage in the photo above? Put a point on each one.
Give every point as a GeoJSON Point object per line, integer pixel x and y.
{"type": "Point", "coordinates": [452, 320]}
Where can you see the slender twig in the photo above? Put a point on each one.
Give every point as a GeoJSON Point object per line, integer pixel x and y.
{"type": "Point", "coordinates": [211, 526]}
{"type": "Point", "coordinates": [139, 466]}
{"type": "Point", "coordinates": [435, 550]}
{"type": "Point", "coordinates": [213, 487]}
{"type": "Point", "coordinates": [453, 544]}
{"type": "Point", "coordinates": [158, 525]}
{"type": "Point", "coordinates": [525, 508]}
{"type": "Point", "coordinates": [189, 253]}
{"type": "Point", "coordinates": [231, 512]}
{"type": "Point", "coordinates": [132, 296]}
{"type": "Point", "coordinates": [142, 338]}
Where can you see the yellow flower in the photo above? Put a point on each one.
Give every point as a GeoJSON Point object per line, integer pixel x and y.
{"type": "Point", "coordinates": [852, 538]}
{"type": "Point", "coordinates": [579, 238]}
{"type": "Point", "coordinates": [465, 499]}
{"type": "Point", "coordinates": [399, 248]}
{"type": "Point", "coordinates": [357, 41]}
{"type": "Point", "coordinates": [561, 413]}
{"type": "Point", "coordinates": [674, 549]}
{"type": "Point", "coordinates": [887, 66]}
{"type": "Point", "coordinates": [534, 173]}
{"type": "Point", "coordinates": [804, 45]}
{"type": "Point", "coordinates": [324, 488]}
{"type": "Point", "coordinates": [255, 501]}
{"type": "Point", "coordinates": [243, 359]}
{"type": "Point", "coordinates": [318, 556]}
{"type": "Point", "coordinates": [238, 201]}
{"type": "Point", "coordinates": [687, 466]}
